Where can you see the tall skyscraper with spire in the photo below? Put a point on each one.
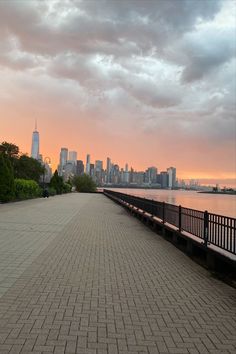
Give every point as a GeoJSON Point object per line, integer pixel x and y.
{"type": "Point", "coordinates": [35, 143]}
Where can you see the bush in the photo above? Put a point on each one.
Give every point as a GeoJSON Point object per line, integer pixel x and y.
{"type": "Point", "coordinates": [7, 185]}
{"type": "Point", "coordinates": [84, 184]}
{"type": "Point", "coordinates": [26, 189]}
{"type": "Point", "coordinates": [67, 187]}
{"type": "Point", "coordinates": [52, 191]}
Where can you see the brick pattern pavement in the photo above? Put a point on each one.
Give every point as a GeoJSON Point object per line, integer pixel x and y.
{"type": "Point", "coordinates": [104, 283]}
{"type": "Point", "coordinates": [26, 229]}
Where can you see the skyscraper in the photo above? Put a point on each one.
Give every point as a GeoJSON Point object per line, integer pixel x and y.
{"type": "Point", "coordinates": [171, 171]}
{"type": "Point", "coordinates": [73, 156]}
{"type": "Point", "coordinates": [63, 160]}
{"type": "Point", "coordinates": [79, 168]}
{"type": "Point", "coordinates": [151, 175]}
{"type": "Point", "coordinates": [35, 143]}
{"type": "Point", "coordinates": [98, 171]}
{"type": "Point", "coordinates": [126, 173]}
{"type": "Point", "coordinates": [164, 179]}
{"type": "Point", "coordinates": [87, 171]}
{"type": "Point", "coordinates": [108, 179]}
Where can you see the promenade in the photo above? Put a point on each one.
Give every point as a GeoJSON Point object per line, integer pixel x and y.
{"type": "Point", "coordinates": [78, 274]}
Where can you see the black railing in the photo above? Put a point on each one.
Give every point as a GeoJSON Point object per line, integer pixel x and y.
{"type": "Point", "coordinates": [213, 229]}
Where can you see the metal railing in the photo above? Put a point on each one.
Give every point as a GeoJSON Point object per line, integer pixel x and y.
{"type": "Point", "coordinates": [213, 229]}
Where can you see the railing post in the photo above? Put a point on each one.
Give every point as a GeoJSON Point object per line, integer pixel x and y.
{"type": "Point", "coordinates": [163, 212]}
{"type": "Point", "coordinates": [180, 218]}
{"type": "Point", "coordinates": [206, 222]}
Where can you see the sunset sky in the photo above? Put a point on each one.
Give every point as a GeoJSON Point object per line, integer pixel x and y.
{"type": "Point", "coordinates": [143, 82]}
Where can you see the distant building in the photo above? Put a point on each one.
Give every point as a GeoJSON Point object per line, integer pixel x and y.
{"type": "Point", "coordinates": [69, 170]}
{"type": "Point", "coordinates": [79, 168]}
{"type": "Point", "coordinates": [108, 171]}
{"type": "Point", "coordinates": [98, 172]}
{"type": "Point", "coordinates": [87, 170]}
{"type": "Point", "coordinates": [171, 171]}
{"type": "Point", "coordinates": [126, 176]}
{"type": "Point", "coordinates": [116, 174]}
{"type": "Point", "coordinates": [63, 160]}
{"type": "Point", "coordinates": [73, 156]}
{"type": "Point", "coordinates": [35, 144]}
{"type": "Point", "coordinates": [98, 166]}
{"type": "Point", "coordinates": [151, 175]}
{"type": "Point", "coordinates": [163, 179]}
{"type": "Point", "coordinates": [92, 171]}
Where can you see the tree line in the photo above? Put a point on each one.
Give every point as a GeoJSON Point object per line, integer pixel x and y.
{"type": "Point", "coordinates": [21, 177]}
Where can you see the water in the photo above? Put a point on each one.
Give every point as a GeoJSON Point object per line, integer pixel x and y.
{"type": "Point", "coordinates": [214, 203]}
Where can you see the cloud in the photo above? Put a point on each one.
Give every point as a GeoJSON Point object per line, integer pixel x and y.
{"type": "Point", "coordinates": [205, 51]}
{"type": "Point", "coordinates": [165, 68]}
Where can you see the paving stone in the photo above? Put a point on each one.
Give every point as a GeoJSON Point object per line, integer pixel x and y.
{"type": "Point", "coordinates": [78, 274]}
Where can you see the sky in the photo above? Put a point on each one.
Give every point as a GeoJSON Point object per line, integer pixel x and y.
{"type": "Point", "coordinates": [150, 83]}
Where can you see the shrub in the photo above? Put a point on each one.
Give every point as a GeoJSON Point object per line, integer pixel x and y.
{"type": "Point", "coordinates": [67, 187]}
{"type": "Point", "coordinates": [26, 189]}
{"type": "Point", "coordinates": [52, 191]}
{"type": "Point", "coordinates": [84, 184]}
{"type": "Point", "coordinates": [7, 185]}
{"type": "Point", "coordinates": [57, 183]}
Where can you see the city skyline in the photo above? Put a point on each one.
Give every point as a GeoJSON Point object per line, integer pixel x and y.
{"type": "Point", "coordinates": [67, 155]}
{"type": "Point", "coordinates": [69, 166]}
{"type": "Point", "coordinates": [148, 83]}
{"type": "Point", "coordinates": [113, 174]}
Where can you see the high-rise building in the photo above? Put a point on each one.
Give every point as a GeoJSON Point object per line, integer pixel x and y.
{"type": "Point", "coordinates": [63, 160]}
{"type": "Point", "coordinates": [126, 173]}
{"type": "Point", "coordinates": [171, 171]}
{"type": "Point", "coordinates": [99, 172]}
{"type": "Point", "coordinates": [79, 168]}
{"type": "Point", "coordinates": [73, 157]}
{"type": "Point", "coordinates": [115, 174]}
{"type": "Point", "coordinates": [164, 179]}
{"type": "Point", "coordinates": [98, 166]}
{"type": "Point", "coordinates": [87, 171]}
{"type": "Point", "coordinates": [35, 143]}
{"type": "Point", "coordinates": [151, 175]}
{"type": "Point", "coordinates": [92, 171]}
{"type": "Point", "coordinates": [108, 171]}
{"type": "Point", "coordinates": [69, 170]}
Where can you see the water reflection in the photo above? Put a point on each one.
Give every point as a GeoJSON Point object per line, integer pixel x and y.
{"type": "Point", "coordinates": [214, 203]}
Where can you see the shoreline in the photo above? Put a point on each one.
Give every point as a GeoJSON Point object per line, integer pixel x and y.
{"type": "Point", "coordinates": [222, 193]}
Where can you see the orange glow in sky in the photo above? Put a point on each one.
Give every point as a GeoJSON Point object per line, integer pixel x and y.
{"type": "Point", "coordinates": [115, 81]}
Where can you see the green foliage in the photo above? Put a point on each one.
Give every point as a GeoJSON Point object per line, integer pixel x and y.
{"type": "Point", "coordinates": [10, 150]}
{"type": "Point", "coordinates": [28, 168]}
{"type": "Point", "coordinates": [7, 185]}
{"type": "Point", "coordinates": [52, 191]}
{"type": "Point", "coordinates": [57, 183]}
{"type": "Point", "coordinates": [84, 184]}
{"type": "Point", "coordinates": [67, 187]}
{"type": "Point", "coordinates": [26, 189]}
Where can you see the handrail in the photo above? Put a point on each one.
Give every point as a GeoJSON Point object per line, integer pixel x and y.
{"type": "Point", "coordinates": [212, 228]}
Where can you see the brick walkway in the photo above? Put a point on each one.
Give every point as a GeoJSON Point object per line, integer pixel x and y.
{"type": "Point", "coordinates": [79, 275]}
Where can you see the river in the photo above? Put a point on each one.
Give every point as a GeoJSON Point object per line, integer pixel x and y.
{"type": "Point", "coordinates": [214, 203]}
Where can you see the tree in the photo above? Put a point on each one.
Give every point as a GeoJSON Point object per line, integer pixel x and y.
{"type": "Point", "coordinates": [57, 183]}
{"type": "Point", "coordinates": [84, 184]}
{"type": "Point", "coordinates": [28, 168]}
{"type": "Point", "coordinates": [7, 186]}
{"type": "Point", "coordinates": [9, 149]}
